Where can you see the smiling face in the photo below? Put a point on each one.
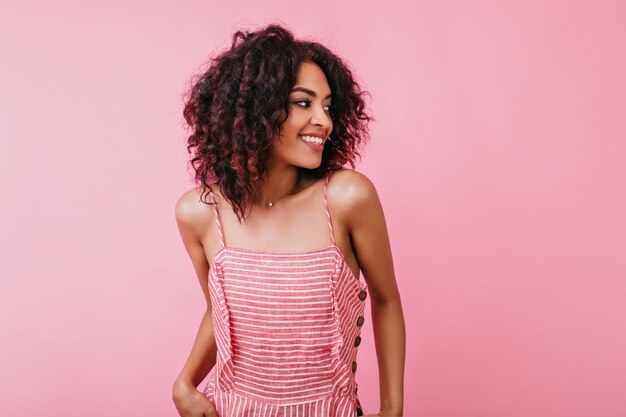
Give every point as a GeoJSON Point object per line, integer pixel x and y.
{"type": "Point", "coordinates": [309, 114]}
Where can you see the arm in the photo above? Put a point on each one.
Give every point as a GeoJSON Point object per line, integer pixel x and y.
{"type": "Point", "coordinates": [368, 231]}
{"type": "Point", "coordinates": [191, 218]}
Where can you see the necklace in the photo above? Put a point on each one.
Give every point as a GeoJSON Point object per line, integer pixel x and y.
{"type": "Point", "coordinates": [271, 203]}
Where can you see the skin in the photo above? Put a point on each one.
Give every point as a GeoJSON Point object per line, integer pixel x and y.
{"type": "Point", "coordinates": [360, 233]}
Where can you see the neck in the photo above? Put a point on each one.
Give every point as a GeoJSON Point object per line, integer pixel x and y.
{"type": "Point", "coordinates": [279, 182]}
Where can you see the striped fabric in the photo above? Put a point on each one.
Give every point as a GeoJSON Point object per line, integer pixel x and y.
{"type": "Point", "coordinates": [287, 330]}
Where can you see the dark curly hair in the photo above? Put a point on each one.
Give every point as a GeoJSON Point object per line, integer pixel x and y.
{"type": "Point", "coordinates": [239, 104]}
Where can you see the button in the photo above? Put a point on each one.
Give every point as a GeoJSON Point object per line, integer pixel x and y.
{"type": "Point", "coordinates": [353, 366]}
{"type": "Point", "coordinates": [360, 320]}
{"type": "Point", "coordinates": [357, 341]}
{"type": "Point", "coordinates": [362, 295]}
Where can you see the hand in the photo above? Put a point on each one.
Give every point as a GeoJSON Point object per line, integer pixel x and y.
{"type": "Point", "coordinates": [192, 403]}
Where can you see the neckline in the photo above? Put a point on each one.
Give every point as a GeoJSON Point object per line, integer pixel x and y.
{"type": "Point", "coordinates": [220, 231]}
{"type": "Point", "coordinates": [265, 252]}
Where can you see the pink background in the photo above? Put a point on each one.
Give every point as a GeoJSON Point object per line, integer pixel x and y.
{"type": "Point", "coordinates": [498, 153]}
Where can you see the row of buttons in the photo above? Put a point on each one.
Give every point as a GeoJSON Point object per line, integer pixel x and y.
{"type": "Point", "coordinates": [359, 323]}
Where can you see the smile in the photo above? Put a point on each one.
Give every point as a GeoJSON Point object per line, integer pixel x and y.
{"type": "Point", "coordinates": [312, 139]}
{"type": "Point", "coordinates": [317, 144]}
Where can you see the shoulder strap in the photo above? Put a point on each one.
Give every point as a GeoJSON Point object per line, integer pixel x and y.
{"type": "Point", "coordinates": [217, 218]}
{"type": "Point", "coordinates": [330, 223]}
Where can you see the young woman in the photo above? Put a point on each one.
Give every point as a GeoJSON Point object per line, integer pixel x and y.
{"type": "Point", "coordinates": [278, 234]}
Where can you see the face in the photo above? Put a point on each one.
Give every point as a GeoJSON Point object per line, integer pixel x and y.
{"type": "Point", "coordinates": [309, 115]}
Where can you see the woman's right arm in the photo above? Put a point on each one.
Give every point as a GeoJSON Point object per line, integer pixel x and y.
{"type": "Point", "coordinates": [192, 218]}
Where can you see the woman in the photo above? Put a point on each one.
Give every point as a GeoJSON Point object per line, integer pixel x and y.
{"type": "Point", "coordinates": [278, 234]}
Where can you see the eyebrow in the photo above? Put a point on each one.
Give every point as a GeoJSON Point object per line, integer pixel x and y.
{"type": "Point", "coordinates": [309, 92]}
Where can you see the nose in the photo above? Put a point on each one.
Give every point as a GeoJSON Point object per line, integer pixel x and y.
{"type": "Point", "coordinates": [321, 118]}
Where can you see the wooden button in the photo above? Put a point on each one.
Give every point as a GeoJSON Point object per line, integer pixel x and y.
{"type": "Point", "coordinates": [357, 341]}
{"type": "Point", "coordinates": [360, 321]}
{"type": "Point", "coordinates": [353, 366]}
{"type": "Point", "coordinates": [362, 295]}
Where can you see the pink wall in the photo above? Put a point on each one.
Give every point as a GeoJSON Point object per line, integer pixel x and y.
{"type": "Point", "coordinates": [498, 153]}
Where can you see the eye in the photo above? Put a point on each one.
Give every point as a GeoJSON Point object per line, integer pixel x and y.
{"type": "Point", "coordinates": [306, 103]}
{"type": "Point", "coordinates": [330, 107]}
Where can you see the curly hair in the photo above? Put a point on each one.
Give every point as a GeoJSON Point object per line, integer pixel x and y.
{"type": "Point", "coordinates": [240, 102]}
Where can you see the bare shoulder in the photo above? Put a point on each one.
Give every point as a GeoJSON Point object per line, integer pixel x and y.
{"type": "Point", "coordinates": [350, 187]}
{"type": "Point", "coordinates": [191, 213]}
{"type": "Point", "coordinates": [192, 217]}
{"type": "Point", "coordinates": [349, 191]}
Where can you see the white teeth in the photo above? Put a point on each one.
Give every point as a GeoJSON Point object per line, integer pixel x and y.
{"type": "Point", "coordinates": [312, 139]}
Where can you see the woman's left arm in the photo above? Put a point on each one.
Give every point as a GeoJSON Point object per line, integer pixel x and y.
{"type": "Point", "coordinates": [368, 232]}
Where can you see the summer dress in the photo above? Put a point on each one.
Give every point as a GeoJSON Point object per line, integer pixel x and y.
{"type": "Point", "coordinates": [287, 328]}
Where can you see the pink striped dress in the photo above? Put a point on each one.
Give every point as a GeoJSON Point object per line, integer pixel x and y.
{"type": "Point", "coordinates": [287, 329]}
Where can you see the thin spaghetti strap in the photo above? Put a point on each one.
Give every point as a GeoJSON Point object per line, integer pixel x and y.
{"type": "Point", "coordinates": [330, 223]}
{"type": "Point", "coordinates": [217, 218]}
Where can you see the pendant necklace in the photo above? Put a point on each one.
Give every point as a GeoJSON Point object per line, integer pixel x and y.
{"type": "Point", "coordinates": [270, 203]}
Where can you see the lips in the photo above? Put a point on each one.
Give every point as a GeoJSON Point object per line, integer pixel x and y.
{"type": "Point", "coordinates": [318, 147]}
{"type": "Point", "coordinates": [317, 135]}
{"type": "Point", "coordinates": [312, 139]}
